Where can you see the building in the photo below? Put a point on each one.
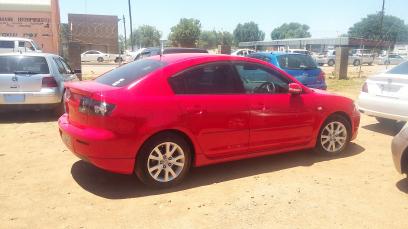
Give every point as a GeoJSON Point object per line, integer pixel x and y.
{"type": "Point", "coordinates": [316, 44]}
{"type": "Point", "coordinates": [94, 32]}
{"type": "Point", "coordinates": [35, 19]}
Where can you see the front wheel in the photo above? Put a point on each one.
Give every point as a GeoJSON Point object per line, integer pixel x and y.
{"type": "Point", "coordinates": [334, 136]}
{"type": "Point", "coordinates": [356, 63]}
{"type": "Point", "coordinates": [163, 161]}
{"type": "Point", "coordinates": [100, 59]}
{"type": "Point", "coordinates": [330, 63]}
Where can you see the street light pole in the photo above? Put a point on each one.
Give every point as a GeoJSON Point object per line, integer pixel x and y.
{"type": "Point", "coordinates": [124, 28]}
{"type": "Point", "coordinates": [131, 29]}
{"type": "Point", "coordinates": [382, 19]}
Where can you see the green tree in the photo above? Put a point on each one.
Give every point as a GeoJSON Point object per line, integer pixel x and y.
{"type": "Point", "coordinates": [146, 36]}
{"type": "Point", "coordinates": [211, 39]}
{"type": "Point", "coordinates": [248, 32]}
{"type": "Point", "coordinates": [393, 29]}
{"type": "Point", "coordinates": [290, 30]}
{"type": "Point", "coordinates": [186, 33]}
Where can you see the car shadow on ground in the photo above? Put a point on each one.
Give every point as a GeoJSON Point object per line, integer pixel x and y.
{"type": "Point", "coordinates": [116, 186]}
{"type": "Point", "coordinates": [402, 185]}
{"type": "Point", "coordinates": [390, 130]}
{"type": "Point", "coordinates": [28, 116]}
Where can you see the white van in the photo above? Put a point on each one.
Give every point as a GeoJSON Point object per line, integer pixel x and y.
{"type": "Point", "coordinates": [17, 44]}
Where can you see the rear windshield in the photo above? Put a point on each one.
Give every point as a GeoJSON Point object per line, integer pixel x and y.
{"type": "Point", "coordinates": [23, 65]}
{"type": "Point", "coordinates": [129, 73]}
{"type": "Point", "coordinates": [296, 62]}
{"type": "Point", "coordinates": [400, 69]}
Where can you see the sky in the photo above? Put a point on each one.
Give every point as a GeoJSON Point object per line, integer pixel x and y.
{"type": "Point", "coordinates": [326, 18]}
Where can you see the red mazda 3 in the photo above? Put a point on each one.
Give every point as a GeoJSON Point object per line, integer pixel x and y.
{"type": "Point", "coordinates": [160, 116]}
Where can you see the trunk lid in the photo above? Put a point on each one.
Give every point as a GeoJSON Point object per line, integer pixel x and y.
{"type": "Point", "coordinates": [389, 85]}
{"type": "Point", "coordinates": [21, 82]}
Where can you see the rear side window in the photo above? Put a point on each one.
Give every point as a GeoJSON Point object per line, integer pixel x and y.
{"type": "Point", "coordinates": [23, 64]}
{"type": "Point", "coordinates": [296, 62]}
{"type": "Point", "coordinates": [7, 44]}
{"type": "Point", "coordinates": [207, 79]}
{"type": "Point", "coordinates": [129, 73]}
{"type": "Point", "coordinates": [400, 69]}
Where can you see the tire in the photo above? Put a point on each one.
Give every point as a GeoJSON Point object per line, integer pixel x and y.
{"type": "Point", "coordinates": [100, 59]}
{"type": "Point", "coordinates": [330, 63]}
{"type": "Point", "coordinates": [59, 110]}
{"type": "Point", "coordinates": [371, 63]}
{"type": "Point", "coordinates": [320, 64]}
{"type": "Point", "coordinates": [387, 62]}
{"type": "Point", "coordinates": [118, 60]}
{"type": "Point", "coordinates": [330, 144]}
{"type": "Point", "coordinates": [356, 63]}
{"type": "Point", "coordinates": [161, 164]}
{"type": "Point", "coordinates": [385, 121]}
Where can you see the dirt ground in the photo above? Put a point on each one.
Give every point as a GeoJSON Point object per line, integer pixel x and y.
{"type": "Point", "coordinates": [44, 186]}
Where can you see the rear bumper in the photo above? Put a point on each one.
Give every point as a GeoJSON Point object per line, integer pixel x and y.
{"type": "Point", "coordinates": [45, 96]}
{"type": "Point", "coordinates": [101, 148]}
{"type": "Point", "coordinates": [399, 146]}
{"type": "Point", "coordinates": [383, 107]}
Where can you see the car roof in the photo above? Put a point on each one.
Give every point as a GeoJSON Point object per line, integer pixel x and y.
{"type": "Point", "coordinates": [14, 39]}
{"type": "Point", "coordinates": [27, 54]}
{"type": "Point", "coordinates": [180, 57]}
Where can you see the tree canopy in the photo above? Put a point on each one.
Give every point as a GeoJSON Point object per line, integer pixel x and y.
{"type": "Point", "coordinates": [211, 39]}
{"type": "Point", "coordinates": [290, 30]}
{"type": "Point", "coordinates": [146, 36]}
{"type": "Point", "coordinates": [186, 33]}
{"type": "Point", "coordinates": [393, 29]}
{"type": "Point", "coordinates": [248, 32]}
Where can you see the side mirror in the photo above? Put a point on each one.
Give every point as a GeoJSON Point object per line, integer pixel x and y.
{"type": "Point", "coordinates": [295, 89]}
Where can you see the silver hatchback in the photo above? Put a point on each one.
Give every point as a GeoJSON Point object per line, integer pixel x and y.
{"type": "Point", "coordinates": [33, 80]}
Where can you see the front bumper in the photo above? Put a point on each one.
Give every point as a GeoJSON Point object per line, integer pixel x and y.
{"type": "Point", "coordinates": [101, 148]}
{"type": "Point", "coordinates": [45, 96]}
{"type": "Point", "coordinates": [383, 107]}
{"type": "Point", "coordinates": [399, 147]}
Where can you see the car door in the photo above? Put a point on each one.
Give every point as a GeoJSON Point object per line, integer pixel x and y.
{"type": "Point", "coordinates": [278, 119]}
{"type": "Point", "coordinates": [215, 108]}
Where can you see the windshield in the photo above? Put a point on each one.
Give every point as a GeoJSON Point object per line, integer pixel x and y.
{"type": "Point", "coordinates": [35, 45]}
{"type": "Point", "coordinates": [296, 62]}
{"type": "Point", "coordinates": [126, 74]}
{"type": "Point", "coordinates": [23, 65]}
{"type": "Point", "coordinates": [400, 69]}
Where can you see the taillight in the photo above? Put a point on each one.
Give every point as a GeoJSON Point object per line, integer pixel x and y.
{"type": "Point", "coordinates": [49, 81]}
{"type": "Point", "coordinates": [365, 88]}
{"type": "Point", "coordinates": [67, 97]}
{"type": "Point", "coordinates": [322, 76]}
{"type": "Point", "coordinates": [94, 107]}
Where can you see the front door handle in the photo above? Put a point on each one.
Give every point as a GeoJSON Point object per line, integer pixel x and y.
{"type": "Point", "coordinates": [259, 107]}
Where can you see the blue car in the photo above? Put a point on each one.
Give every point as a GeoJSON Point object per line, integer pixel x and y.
{"type": "Point", "coordinates": [301, 66]}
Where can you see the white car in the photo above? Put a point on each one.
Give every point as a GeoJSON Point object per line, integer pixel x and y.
{"type": "Point", "coordinates": [385, 96]}
{"type": "Point", "coordinates": [98, 56]}
{"type": "Point", "coordinates": [242, 52]}
{"type": "Point", "coordinates": [393, 59]}
{"type": "Point", "coordinates": [17, 44]}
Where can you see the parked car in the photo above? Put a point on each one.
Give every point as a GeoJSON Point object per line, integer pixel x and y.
{"type": "Point", "coordinates": [242, 52]}
{"type": "Point", "coordinates": [355, 59]}
{"type": "Point", "coordinates": [17, 44]}
{"type": "Point", "coordinates": [393, 59]}
{"type": "Point", "coordinates": [400, 151]}
{"type": "Point", "coordinates": [98, 56]}
{"type": "Point", "coordinates": [385, 96]}
{"type": "Point", "coordinates": [301, 66]}
{"type": "Point", "coordinates": [299, 51]}
{"type": "Point", "coordinates": [33, 80]}
{"type": "Point", "coordinates": [159, 116]}
{"type": "Point", "coordinates": [147, 52]}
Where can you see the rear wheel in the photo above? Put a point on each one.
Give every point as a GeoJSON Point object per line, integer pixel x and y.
{"type": "Point", "coordinates": [163, 161]}
{"type": "Point", "coordinates": [386, 121]}
{"type": "Point", "coordinates": [330, 62]}
{"type": "Point", "coordinates": [100, 59]}
{"type": "Point", "coordinates": [334, 136]}
{"type": "Point", "coordinates": [356, 63]}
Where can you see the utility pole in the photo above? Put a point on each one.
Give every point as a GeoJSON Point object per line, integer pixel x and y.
{"type": "Point", "coordinates": [382, 19]}
{"type": "Point", "coordinates": [124, 28]}
{"type": "Point", "coordinates": [131, 29]}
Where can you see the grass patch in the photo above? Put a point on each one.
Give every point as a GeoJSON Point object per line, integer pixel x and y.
{"type": "Point", "coordinates": [350, 87]}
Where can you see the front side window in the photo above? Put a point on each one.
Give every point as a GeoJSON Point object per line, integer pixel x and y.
{"type": "Point", "coordinates": [259, 80]}
{"type": "Point", "coordinates": [207, 79]}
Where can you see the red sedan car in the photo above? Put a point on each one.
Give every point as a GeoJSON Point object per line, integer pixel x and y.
{"type": "Point", "coordinates": [158, 117]}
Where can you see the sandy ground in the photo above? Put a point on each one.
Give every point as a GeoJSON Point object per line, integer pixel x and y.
{"type": "Point", "coordinates": [44, 186]}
